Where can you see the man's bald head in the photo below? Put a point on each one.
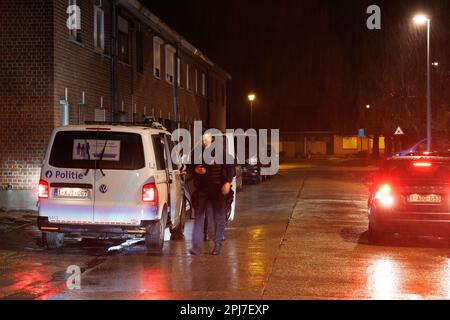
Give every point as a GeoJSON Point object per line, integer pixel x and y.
{"type": "Point", "coordinates": [207, 139]}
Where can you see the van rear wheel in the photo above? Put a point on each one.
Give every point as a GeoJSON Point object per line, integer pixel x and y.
{"type": "Point", "coordinates": [154, 239]}
{"type": "Point", "coordinates": [53, 240]}
{"type": "Point", "coordinates": [178, 231]}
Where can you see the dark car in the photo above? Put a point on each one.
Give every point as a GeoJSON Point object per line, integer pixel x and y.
{"type": "Point", "coordinates": [251, 166]}
{"type": "Point", "coordinates": [440, 143]}
{"type": "Point", "coordinates": [419, 147]}
{"type": "Point", "coordinates": [410, 195]}
{"type": "Point", "coordinates": [251, 171]}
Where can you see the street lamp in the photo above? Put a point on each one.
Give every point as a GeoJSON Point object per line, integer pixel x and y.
{"type": "Point", "coordinates": [421, 19]}
{"type": "Point", "coordinates": [251, 98]}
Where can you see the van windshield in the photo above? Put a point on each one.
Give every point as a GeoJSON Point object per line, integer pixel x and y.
{"type": "Point", "coordinates": [84, 149]}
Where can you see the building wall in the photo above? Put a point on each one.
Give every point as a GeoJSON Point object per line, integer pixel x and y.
{"type": "Point", "coordinates": [359, 145]}
{"type": "Point", "coordinates": [82, 68]}
{"type": "Point", "coordinates": [192, 104]}
{"type": "Point", "coordinates": [317, 143]}
{"type": "Point", "coordinates": [293, 145]}
{"type": "Point", "coordinates": [217, 100]}
{"type": "Point", "coordinates": [26, 94]}
{"type": "Point", "coordinates": [296, 149]}
{"type": "Point", "coordinates": [44, 64]}
{"type": "Point", "coordinates": [78, 66]}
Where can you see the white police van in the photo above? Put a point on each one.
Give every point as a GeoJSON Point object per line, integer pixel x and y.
{"type": "Point", "coordinates": [110, 180]}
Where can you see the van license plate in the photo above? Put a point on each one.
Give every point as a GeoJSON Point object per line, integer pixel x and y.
{"type": "Point", "coordinates": [430, 198]}
{"type": "Point", "coordinates": [77, 193]}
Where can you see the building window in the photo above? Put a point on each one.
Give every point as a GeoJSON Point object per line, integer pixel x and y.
{"type": "Point", "coordinates": [99, 114]}
{"type": "Point", "coordinates": [123, 40]}
{"type": "Point", "coordinates": [157, 43]}
{"type": "Point", "coordinates": [381, 143]}
{"type": "Point", "coordinates": [196, 81]}
{"type": "Point", "coordinates": [75, 19]}
{"type": "Point", "coordinates": [203, 85]}
{"type": "Point", "coordinates": [350, 143]}
{"type": "Point", "coordinates": [170, 64]}
{"type": "Point", "coordinates": [139, 52]}
{"type": "Point", "coordinates": [179, 72]}
{"type": "Point", "coordinates": [187, 77]}
{"type": "Point", "coordinates": [123, 47]}
{"type": "Point", "coordinates": [99, 28]}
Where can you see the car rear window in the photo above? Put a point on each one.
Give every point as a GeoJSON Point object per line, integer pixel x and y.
{"type": "Point", "coordinates": [84, 149]}
{"type": "Point", "coordinates": [437, 169]}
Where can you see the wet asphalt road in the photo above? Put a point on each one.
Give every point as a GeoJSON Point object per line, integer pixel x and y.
{"type": "Point", "coordinates": [301, 235]}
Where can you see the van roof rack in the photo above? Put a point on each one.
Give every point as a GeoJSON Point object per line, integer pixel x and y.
{"type": "Point", "coordinates": [148, 122]}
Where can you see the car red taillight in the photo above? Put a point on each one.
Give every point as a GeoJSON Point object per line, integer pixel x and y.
{"type": "Point", "coordinates": [150, 193]}
{"type": "Point", "coordinates": [384, 196]}
{"type": "Point", "coordinates": [43, 189]}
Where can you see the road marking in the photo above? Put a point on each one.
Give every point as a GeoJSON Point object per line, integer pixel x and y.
{"type": "Point", "coordinates": [297, 199]}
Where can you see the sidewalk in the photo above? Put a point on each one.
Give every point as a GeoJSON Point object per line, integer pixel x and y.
{"type": "Point", "coordinates": [13, 220]}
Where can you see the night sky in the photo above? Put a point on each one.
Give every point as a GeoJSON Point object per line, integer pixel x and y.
{"type": "Point", "coordinates": [313, 64]}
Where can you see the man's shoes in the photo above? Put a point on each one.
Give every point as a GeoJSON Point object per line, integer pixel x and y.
{"type": "Point", "coordinates": [195, 252]}
{"type": "Point", "coordinates": [216, 250]}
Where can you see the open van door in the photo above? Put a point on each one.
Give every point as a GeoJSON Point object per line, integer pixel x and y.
{"type": "Point", "coordinates": [230, 148]}
{"type": "Point", "coordinates": [174, 181]}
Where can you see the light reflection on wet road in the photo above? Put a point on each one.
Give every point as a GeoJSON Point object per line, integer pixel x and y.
{"type": "Point", "coordinates": [301, 235]}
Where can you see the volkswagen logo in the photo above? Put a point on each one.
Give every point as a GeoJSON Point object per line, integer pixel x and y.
{"type": "Point", "coordinates": [103, 188]}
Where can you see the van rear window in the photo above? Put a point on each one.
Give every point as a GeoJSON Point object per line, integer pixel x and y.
{"type": "Point", "coordinates": [84, 149]}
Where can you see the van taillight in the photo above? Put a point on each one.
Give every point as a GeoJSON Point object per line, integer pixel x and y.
{"type": "Point", "coordinates": [43, 189]}
{"type": "Point", "coordinates": [150, 193]}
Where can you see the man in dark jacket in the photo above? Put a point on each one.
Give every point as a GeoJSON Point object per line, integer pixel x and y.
{"type": "Point", "coordinates": [213, 185]}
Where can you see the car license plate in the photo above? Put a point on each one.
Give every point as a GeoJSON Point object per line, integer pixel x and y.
{"type": "Point", "coordinates": [420, 198]}
{"type": "Point", "coordinates": [77, 193]}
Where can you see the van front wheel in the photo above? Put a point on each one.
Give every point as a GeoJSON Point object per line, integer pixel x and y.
{"type": "Point", "coordinates": [53, 240]}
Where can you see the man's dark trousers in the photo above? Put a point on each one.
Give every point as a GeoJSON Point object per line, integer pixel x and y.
{"type": "Point", "coordinates": [217, 200]}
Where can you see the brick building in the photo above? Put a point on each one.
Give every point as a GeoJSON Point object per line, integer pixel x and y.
{"type": "Point", "coordinates": [123, 63]}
